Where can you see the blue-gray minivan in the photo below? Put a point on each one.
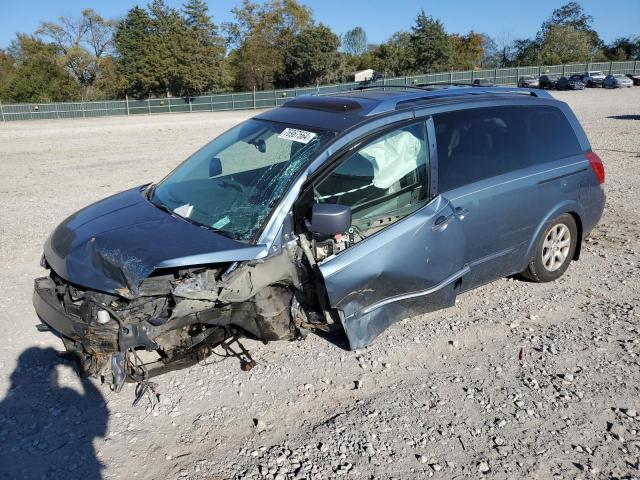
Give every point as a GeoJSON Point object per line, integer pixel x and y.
{"type": "Point", "coordinates": [341, 214]}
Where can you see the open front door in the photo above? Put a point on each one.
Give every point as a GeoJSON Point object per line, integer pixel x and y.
{"type": "Point", "coordinates": [406, 250]}
{"type": "Point", "coordinates": [409, 268]}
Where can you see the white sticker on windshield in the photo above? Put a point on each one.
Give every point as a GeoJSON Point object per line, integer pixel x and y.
{"type": "Point", "coordinates": [300, 136]}
{"type": "Point", "coordinates": [221, 223]}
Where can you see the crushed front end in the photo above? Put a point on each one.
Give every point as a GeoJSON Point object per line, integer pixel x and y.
{"type": "Point", "coordinates": [177, 317]}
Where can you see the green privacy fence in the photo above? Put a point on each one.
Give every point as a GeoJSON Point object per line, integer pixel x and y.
{"type": "Point", "coordinates": [273, 98]}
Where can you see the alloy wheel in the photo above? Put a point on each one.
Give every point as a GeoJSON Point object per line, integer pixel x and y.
{"type": "Point", "coordinates": [556, 246]}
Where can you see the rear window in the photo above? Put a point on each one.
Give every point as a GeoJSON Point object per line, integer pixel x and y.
{"type": "Point", "coordinates": [481, 143]}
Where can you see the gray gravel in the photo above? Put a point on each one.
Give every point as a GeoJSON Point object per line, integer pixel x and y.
{"type": "Point", "coordinates": [518, 380]}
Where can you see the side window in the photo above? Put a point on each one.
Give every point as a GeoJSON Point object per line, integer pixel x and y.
{"type": "Point", "coordinates": [383, 181]}
{"type": "Point", "coordinates": [481, 143]}
{"type": "Point", "coordinates": [551, 136]}
{"type": "Point", "coordinates": [477, 144]}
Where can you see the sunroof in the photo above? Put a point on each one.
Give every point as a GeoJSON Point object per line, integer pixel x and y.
{"type": "Point", "coordinates": [327, 104]}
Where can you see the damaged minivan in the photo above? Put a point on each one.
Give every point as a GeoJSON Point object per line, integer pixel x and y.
{"type": "Point", "coordinates": [341, 213]}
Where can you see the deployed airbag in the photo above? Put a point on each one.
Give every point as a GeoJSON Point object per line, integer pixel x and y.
{"type": "Point", "coordinates": [393, 156]}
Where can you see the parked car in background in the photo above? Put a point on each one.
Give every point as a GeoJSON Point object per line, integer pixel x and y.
{"type": "Point", "coordinates": [340, 213]}
{"type": "Point", "coordinates": [635, 78]}
{"type": "Point", "coordinates": [483, 82]}
{"type": "Point", "coordinates": [528, 81]}
{"type": "Point", "coordinates": [549, 81]}
{"type": "Point", "coordinates": [574, 82]}
{"type": "Point", "coordinates": [617, 81]}
{"type": "Point", "coordinates": [593, 78]}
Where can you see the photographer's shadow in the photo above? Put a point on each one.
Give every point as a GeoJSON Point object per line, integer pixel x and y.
{"type": "Point", "coordinates": [47, 431]}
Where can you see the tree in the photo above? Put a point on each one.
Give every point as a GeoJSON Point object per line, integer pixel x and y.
{"type": "Point", "coordinates": [134, 41]}
{"type": "Point", "coordinates": [38, 75]}
{"type": "Point", "coordinates": [526, 52]}
{"type": "Point", "coordinates": [354, 42]}
{"type": "Point", "coordinates": [505, 49]}
{"type": "Point", "coordinates": [565, 44]}
{"type": "Point", "coordinates": [162, 52]}
{"type": "Point", "coordinates": [468, 50]}
{"type": "Point", "coordinates": [396, 56]}
{"type": "Point", "coordinates": [432, 47]}
{"type": "Point", "coordinates": [313, 57]}
{"type": "Point", "coordinates": [6, 69]}
{"type": "Point", "coordinates": [491, 54]}
{"type": "Point", "coordinates": [261, 36]}
{"type": "Point", "coordinates": [206, 49]}
{"type": "Point", "coordinates": [83, 44]}
{"type": "Point", "coordinates": [571, 15]}
{"type": "Point", "coordinates": [624, 48]}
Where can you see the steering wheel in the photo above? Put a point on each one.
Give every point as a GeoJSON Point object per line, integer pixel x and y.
{"type": "Point", "coordinates": [232, 183]}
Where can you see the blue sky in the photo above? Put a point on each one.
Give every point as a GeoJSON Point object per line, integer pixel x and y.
{"type": "Point", "coordinates": [379, 18]}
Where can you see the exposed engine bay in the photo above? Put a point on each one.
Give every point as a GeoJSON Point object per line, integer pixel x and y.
{"type": "Point", "coordinates": [177, 317]}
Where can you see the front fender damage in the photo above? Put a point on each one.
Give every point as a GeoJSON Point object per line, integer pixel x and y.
{"type": "Point", "coordinates": [177, 317]}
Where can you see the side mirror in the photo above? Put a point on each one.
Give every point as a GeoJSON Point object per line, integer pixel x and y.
{"type": "Point", "coordinates": [330, 219]}
{"type": "Point", "coordinates": [215, 167]}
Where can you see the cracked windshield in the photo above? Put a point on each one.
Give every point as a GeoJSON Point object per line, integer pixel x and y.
{"type": "Point", "coordinates": [231, 184]}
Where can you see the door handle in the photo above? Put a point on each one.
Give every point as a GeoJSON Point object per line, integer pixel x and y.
{"type": "Point", "coordinates": [461, 213]}
{"type": "Point", "coordinates": [442, 222]}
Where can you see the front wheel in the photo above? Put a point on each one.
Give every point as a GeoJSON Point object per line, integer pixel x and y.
{"type": "Point", "coordinates": [554, 251]}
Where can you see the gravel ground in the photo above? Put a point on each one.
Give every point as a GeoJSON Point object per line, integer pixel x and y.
{"type": "Point", "coordinates": [518, 380]}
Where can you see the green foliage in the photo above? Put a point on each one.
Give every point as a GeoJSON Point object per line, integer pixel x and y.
{"type": "Point", "coordinates": [38, 75]}
{"type": "Point", "coordinates": [6, 69]}
{"type": "Point", "coordinates": [564, 44]}
{"type": "Point", "coordinates": [527, 52]}
{"type": "Point", "coordinates": [396, 56]}
{"type": "Point", "coordinates": [566, 36]}
{"type": "Point", "coordinates": [313, 57]}
{"type": "Point", "coordinates": [261, 35]}
{"type": "Point", "coordinates": [354, 42]}
{"type": "Point", "coordinates": [624, 48]}
{"type": "Point", "coordinates": [468, 50]}
{"type": "Point", "coordinates": [158, 50]}
{"type": "Point", "coordinates": [82, 45]}
{"type": "Point", "coordinates": [162, 52]}
{"type": "Point", "coordinates": [569, 15]}
{"type": "Point", "coordinates": [432, 47]}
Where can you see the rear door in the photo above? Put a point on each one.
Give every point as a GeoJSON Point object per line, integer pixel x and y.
{"type": "Point", "coordinates": [404, 253]}
{"type": "Point", "coordinates": [506, 168]}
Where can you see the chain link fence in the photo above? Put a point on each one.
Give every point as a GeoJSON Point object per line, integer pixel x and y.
{"type": "Point", "coordinates": [274, 98]}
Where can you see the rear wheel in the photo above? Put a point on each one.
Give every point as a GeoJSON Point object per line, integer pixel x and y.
{"type": "Point", "coordinates": [554, 250]}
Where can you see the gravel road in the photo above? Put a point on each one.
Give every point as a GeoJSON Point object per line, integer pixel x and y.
{"type": "Point", "coordinates": [518, 380]}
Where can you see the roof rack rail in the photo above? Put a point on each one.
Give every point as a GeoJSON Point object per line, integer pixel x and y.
{"type": "Point", "coordinates": [392, 103]}
{"type": "Point", "coordinates": [444, 84]}
{"type": "Point", "coordinates": [422, 87]}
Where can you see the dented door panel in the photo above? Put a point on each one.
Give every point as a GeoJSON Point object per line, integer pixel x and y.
{"type": "Point", "coordinates": [387, 276]}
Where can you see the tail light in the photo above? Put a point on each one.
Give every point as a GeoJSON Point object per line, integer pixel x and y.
{"type": "Point", "coordinates": [596, 165]}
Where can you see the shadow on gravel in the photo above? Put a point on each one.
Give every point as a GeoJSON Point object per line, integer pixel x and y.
{"type": "Point", "coordinates": [47, 431]}
{"type": "Point", "coordinates": [624, 117]}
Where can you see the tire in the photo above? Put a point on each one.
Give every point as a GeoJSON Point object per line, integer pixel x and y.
{"type": "Point", "coordinates": [554, 250]}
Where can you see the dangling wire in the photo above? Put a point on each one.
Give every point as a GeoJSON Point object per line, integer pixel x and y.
{"type": "Point", "coordinates": [143, 386]}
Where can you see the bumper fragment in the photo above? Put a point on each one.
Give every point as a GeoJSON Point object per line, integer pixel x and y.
{"type": "Point", "coordinates": [95, 338]}
{"type": "Point", "coordinates": [50, 310]}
